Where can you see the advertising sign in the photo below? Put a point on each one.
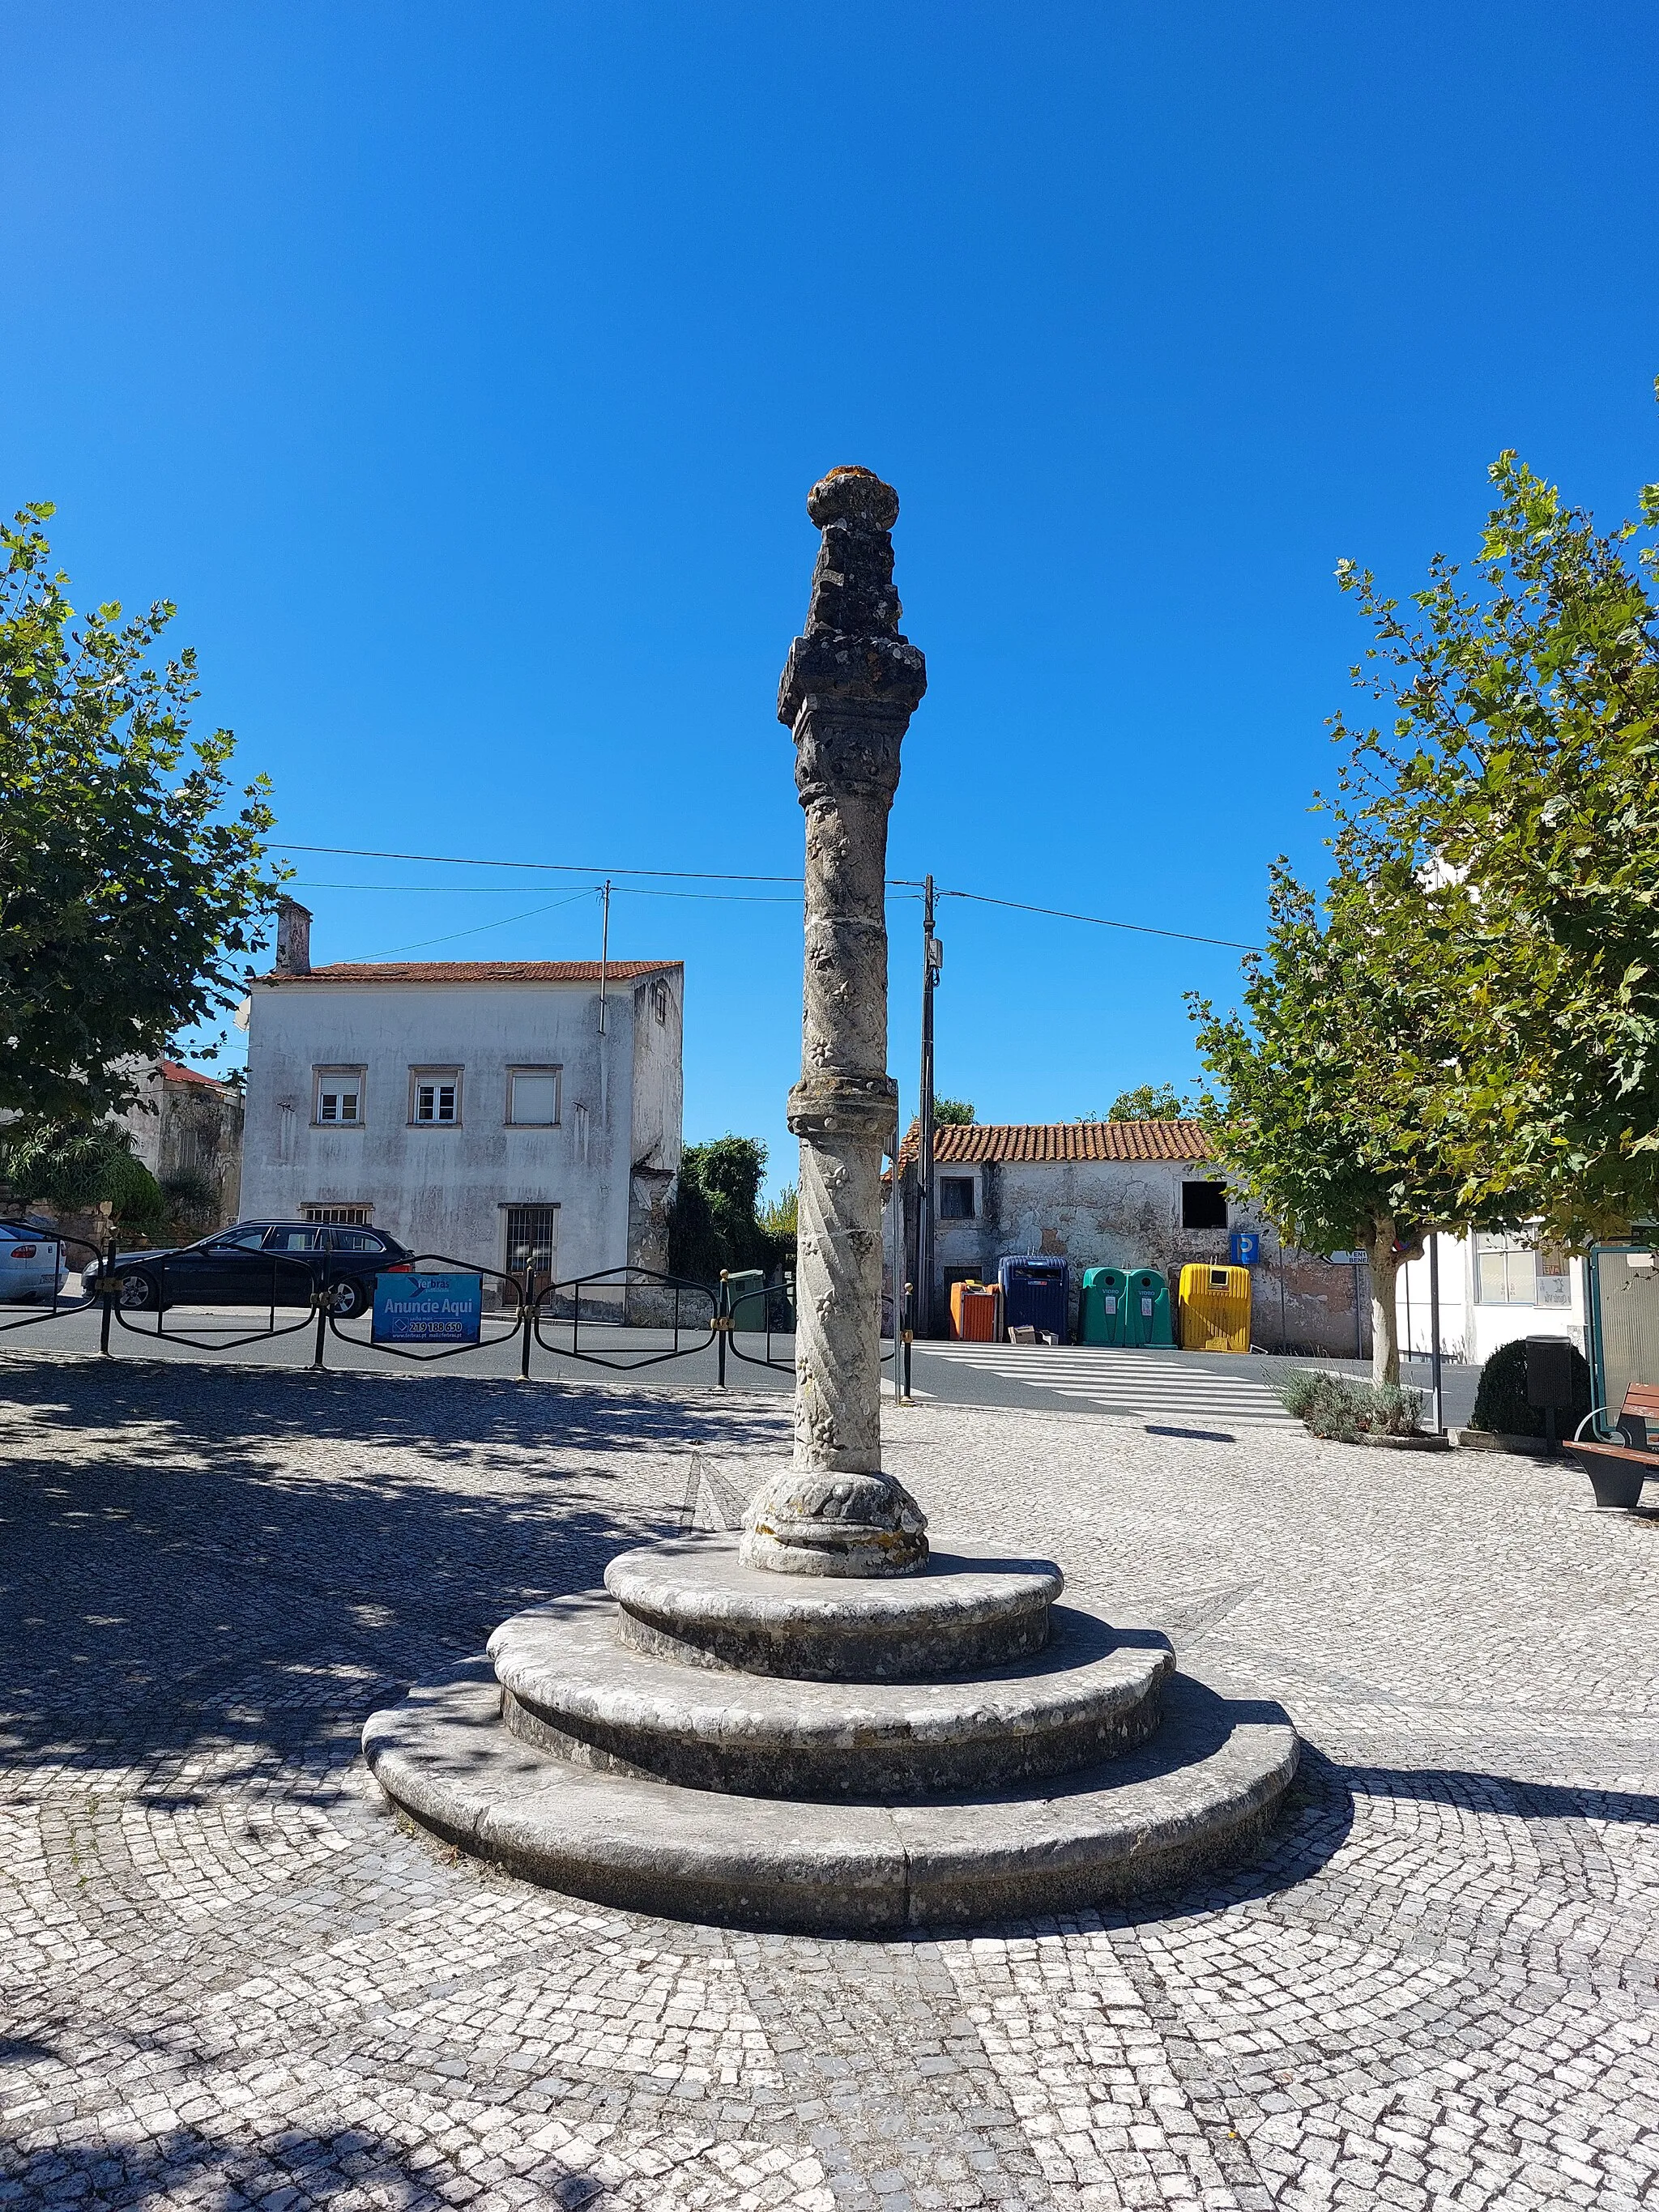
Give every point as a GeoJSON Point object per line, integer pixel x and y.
{"type": "Point", "coordinates": [428, 1309]}
{"type": "Point", "coordinates": [1246, 1248]}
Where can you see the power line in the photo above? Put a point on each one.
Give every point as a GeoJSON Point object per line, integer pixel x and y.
{"type": "Point", "coordinates": [716, 876]}
{"type": "Point", "coordinates": [539, 868]}
{"type": "Point", "coordinates": [1100, 921]}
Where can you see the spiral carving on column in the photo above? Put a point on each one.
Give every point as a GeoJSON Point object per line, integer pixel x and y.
{"type": "Point", "coordinates": [849, 689]}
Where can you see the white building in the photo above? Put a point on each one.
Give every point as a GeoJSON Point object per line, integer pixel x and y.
{"type": "Point", "coordinates": [1492, 1289]}
{"type": "Point", "coordinates": [500, 1113]}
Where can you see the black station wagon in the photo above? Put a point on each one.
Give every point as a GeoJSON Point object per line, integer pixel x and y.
{"type": "Point", "coordinates": [261, 1263]}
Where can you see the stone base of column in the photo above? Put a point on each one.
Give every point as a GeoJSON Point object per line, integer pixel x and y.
{"type": "Point", "coordinates": [814, 1520]}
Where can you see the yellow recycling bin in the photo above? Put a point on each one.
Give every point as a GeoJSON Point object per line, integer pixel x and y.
{"type": "Point", "coordinates": [1215, 1309]}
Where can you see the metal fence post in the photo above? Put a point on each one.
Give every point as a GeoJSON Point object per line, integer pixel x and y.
{"type": "Point", "coordinates": [722, 1325]}
{"type": "Point", "coordinates": [109, 1289]}
{"type": "Point", "coordinates": [527, 1318]}
{"type": "Point", "coordinates": [907, 1336]}
{"type": "Point", "coordinates": [321, 1297]}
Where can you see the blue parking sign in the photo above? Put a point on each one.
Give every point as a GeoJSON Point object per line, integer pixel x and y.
{"type": "Point", "coordinates": [412, 1308]}
{"type": "Point", "coordinates": [1246, 1248]}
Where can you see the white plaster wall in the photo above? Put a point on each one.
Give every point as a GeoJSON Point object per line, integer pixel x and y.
{"type": "Point", "coordinates": [444, 1189]}
{"type": "Point", "coordinates": [1470, 1330]}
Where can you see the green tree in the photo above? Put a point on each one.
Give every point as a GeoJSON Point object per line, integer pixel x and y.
{"type": "Point", "coordinates": [1147, 1102]}
{"type": "Point", "coordinates": [125, 889]}
{"type": "Point", "coordinates": [1326, 1089]}
{"type": "Point", "coordinates": [1519, 787]}
{"type": "Point", "coordinates": [780, 1216]}
{"type": "Point", "coordinates": [952, 1113]}
{"type": "Point", "coordinates": [75, 1166]}
{"type": "Point", "coordinates": [715, 1221]}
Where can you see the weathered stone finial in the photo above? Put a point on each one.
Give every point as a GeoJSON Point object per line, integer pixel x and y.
{"type": "Point", "coordinates": [849, 687]}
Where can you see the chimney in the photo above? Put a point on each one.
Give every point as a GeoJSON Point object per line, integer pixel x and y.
{"type": "Point", "coordinates": [292, 937]}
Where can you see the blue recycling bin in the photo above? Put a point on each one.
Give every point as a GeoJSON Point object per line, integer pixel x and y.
{"type": "Point", "coordinates": [1104, 1312]}
{"type": "Point", "coordinates": [1033, 1294]}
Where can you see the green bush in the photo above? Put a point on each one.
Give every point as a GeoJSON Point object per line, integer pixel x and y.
{"type": "Point", "coordinates": [1343, 1410]}
{"type": "Point", "coordinates": [76, 1165]}
{"type": "Point", "coordinates": [1500, 1397]}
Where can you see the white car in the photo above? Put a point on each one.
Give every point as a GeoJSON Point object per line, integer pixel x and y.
{"type": "Point", "coordinates": [32, 1268]}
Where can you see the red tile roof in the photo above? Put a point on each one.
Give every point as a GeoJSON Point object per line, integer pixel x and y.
{"type": "Point", "coordinates": [174, 1071]}
{"type": "Point", "coordinates": [955, 1145]}
{"type": "Point", "coordinates": [475, 971]}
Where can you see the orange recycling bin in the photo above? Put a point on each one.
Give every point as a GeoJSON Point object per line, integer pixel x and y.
{"type": "Point", "coordinates": [1215, 1309]}
{"type": "Point", "coordinates": [976, 1313]}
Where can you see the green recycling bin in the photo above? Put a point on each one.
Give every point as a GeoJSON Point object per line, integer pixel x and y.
{"type": "Point", "coordinates": [1147, 1296]}
{"type": "Point", "coordinates": [1104, 1315]}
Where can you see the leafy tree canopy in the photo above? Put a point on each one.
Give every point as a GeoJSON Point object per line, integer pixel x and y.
{"type": "Point", "coordinates": [126, 889]}
{"type": "Point", "coordinates": [1147, 1102]}
{"type": "Point", "coordinates": [76, 1165]}
{"type": "Point", "coordinates": [952, 1113]}
{"type": "Point", "coordinates": [714, 1221]}
{"type": "Point", "coordinates": [1468, 1035]}
{"type": "Point", "coordinates": [1516, 795]}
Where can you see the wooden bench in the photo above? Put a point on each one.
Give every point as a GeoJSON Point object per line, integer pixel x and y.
{"type": "Point", "coordinates": [1618, 1471]}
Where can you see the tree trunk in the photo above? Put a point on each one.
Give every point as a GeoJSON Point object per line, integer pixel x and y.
{"type": "Point", "coordinates": [1385, 1321]}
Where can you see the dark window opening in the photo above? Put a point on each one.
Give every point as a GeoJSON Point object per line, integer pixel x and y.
{"type": "Point", "coordinates": [956, 1198]}
{"type": "Point", "coordinates": [1204, 1206]}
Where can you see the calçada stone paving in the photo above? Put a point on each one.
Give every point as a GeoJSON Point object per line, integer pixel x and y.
{"type": "Point", "coordinates": [230, 1977]}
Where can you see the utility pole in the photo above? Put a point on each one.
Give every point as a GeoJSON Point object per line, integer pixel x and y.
{"type": "Point", "coordinates": [604, 950]}
{"type": "Point", "coordinates": [1435, 1399]}
{"type": "Point", "coordinates": [933, 959]}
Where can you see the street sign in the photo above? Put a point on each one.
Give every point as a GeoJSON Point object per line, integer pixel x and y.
{"type": "Point", "coordinates": [1244, 1248]}
{"type": "Point", "coordinates": [413, 1308]}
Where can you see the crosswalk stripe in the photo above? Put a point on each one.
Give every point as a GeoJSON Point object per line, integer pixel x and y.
{"type": "Point", "coordinates": [1113, 1380]}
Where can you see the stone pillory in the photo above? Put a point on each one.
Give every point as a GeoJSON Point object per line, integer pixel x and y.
{"type": "Point", "coordinates": [826, 1724]}
{"type": "Point", "coordinates": [849, 687]}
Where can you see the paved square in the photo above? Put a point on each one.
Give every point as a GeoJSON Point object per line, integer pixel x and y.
{"type": "Point", "coordinates": [228, 1976]}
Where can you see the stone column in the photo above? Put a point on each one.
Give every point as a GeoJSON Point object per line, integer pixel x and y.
{"type": "Point", "coordinates": [849, 688]}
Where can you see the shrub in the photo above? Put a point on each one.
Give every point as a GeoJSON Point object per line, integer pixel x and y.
{"type": "Point", "coordinates": [1342, 1411]}
{"type": "Point", "coordinates": [1500, 1397]}
{"type": "Point", "coordinates": [73, 1165]}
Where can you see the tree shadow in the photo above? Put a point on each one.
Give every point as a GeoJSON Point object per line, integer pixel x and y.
{"type": "Point", "coordinates": [203, 1577]}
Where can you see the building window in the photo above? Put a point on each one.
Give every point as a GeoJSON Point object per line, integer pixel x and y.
{"type": "Point", "coordinates": [435, 1097]}
{"type": "Point", "coordinates": [659, 999]}
{"type": "Point", "coordinates": [1511, 1272]}
{"type": "Point", "coordinates": [956, 1198]}
{"type": "Point", "coordinates": [355, 1217]}
{"type": "Point", "coordinates": [532, 1098]}
{"type": "Point", "coordinates": [1204, 1206]}
{"type": "Point", "coordinates": [533, 1234]}
{"type": "Point", "coordinates": [338, 1098]}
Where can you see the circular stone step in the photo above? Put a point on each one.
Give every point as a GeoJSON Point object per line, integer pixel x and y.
{"type": "Point", "coordinates": [573, 1689]}
{"type": "Point", "coordinates": [1201, 1792]}
{"type": "Point", "coordinates": [692, 1601]}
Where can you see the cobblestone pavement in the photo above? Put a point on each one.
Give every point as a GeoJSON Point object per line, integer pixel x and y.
{"type": "Point", "coordinates": [229, 1976]}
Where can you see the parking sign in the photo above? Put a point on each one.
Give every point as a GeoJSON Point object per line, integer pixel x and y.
{"type": "Point", "coordinates": [1246, 1248]}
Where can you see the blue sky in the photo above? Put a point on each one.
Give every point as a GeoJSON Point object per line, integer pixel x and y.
{"type": "Point", "coordinates": [460, 372]}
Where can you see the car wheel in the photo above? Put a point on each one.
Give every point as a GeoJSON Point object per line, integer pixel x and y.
{"type": "Point", "coordinates": [348, 1299]}
{"type": "Point", "coordinates": [140, 1294]}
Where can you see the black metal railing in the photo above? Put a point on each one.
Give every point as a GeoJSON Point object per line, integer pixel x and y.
{"type": "Point", "coordinates": [160, 1282]}
{"type": "Point", "coordinates": [54, 1308]}
{"type": "Point", "coordinates": [608, 1299]}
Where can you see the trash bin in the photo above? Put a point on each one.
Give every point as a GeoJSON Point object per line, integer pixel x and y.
{"type": "Point", "coordinates": [975, 1312]}
{"type": "Point", "coordinates": [1033, 1294]}
{"type": "Point", "coordinates": [1215, 1309]}
{"type": "Point", "coordinates": [1146, 1297]}
{"type": "Point", "coordinates": [1103, 1315]}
